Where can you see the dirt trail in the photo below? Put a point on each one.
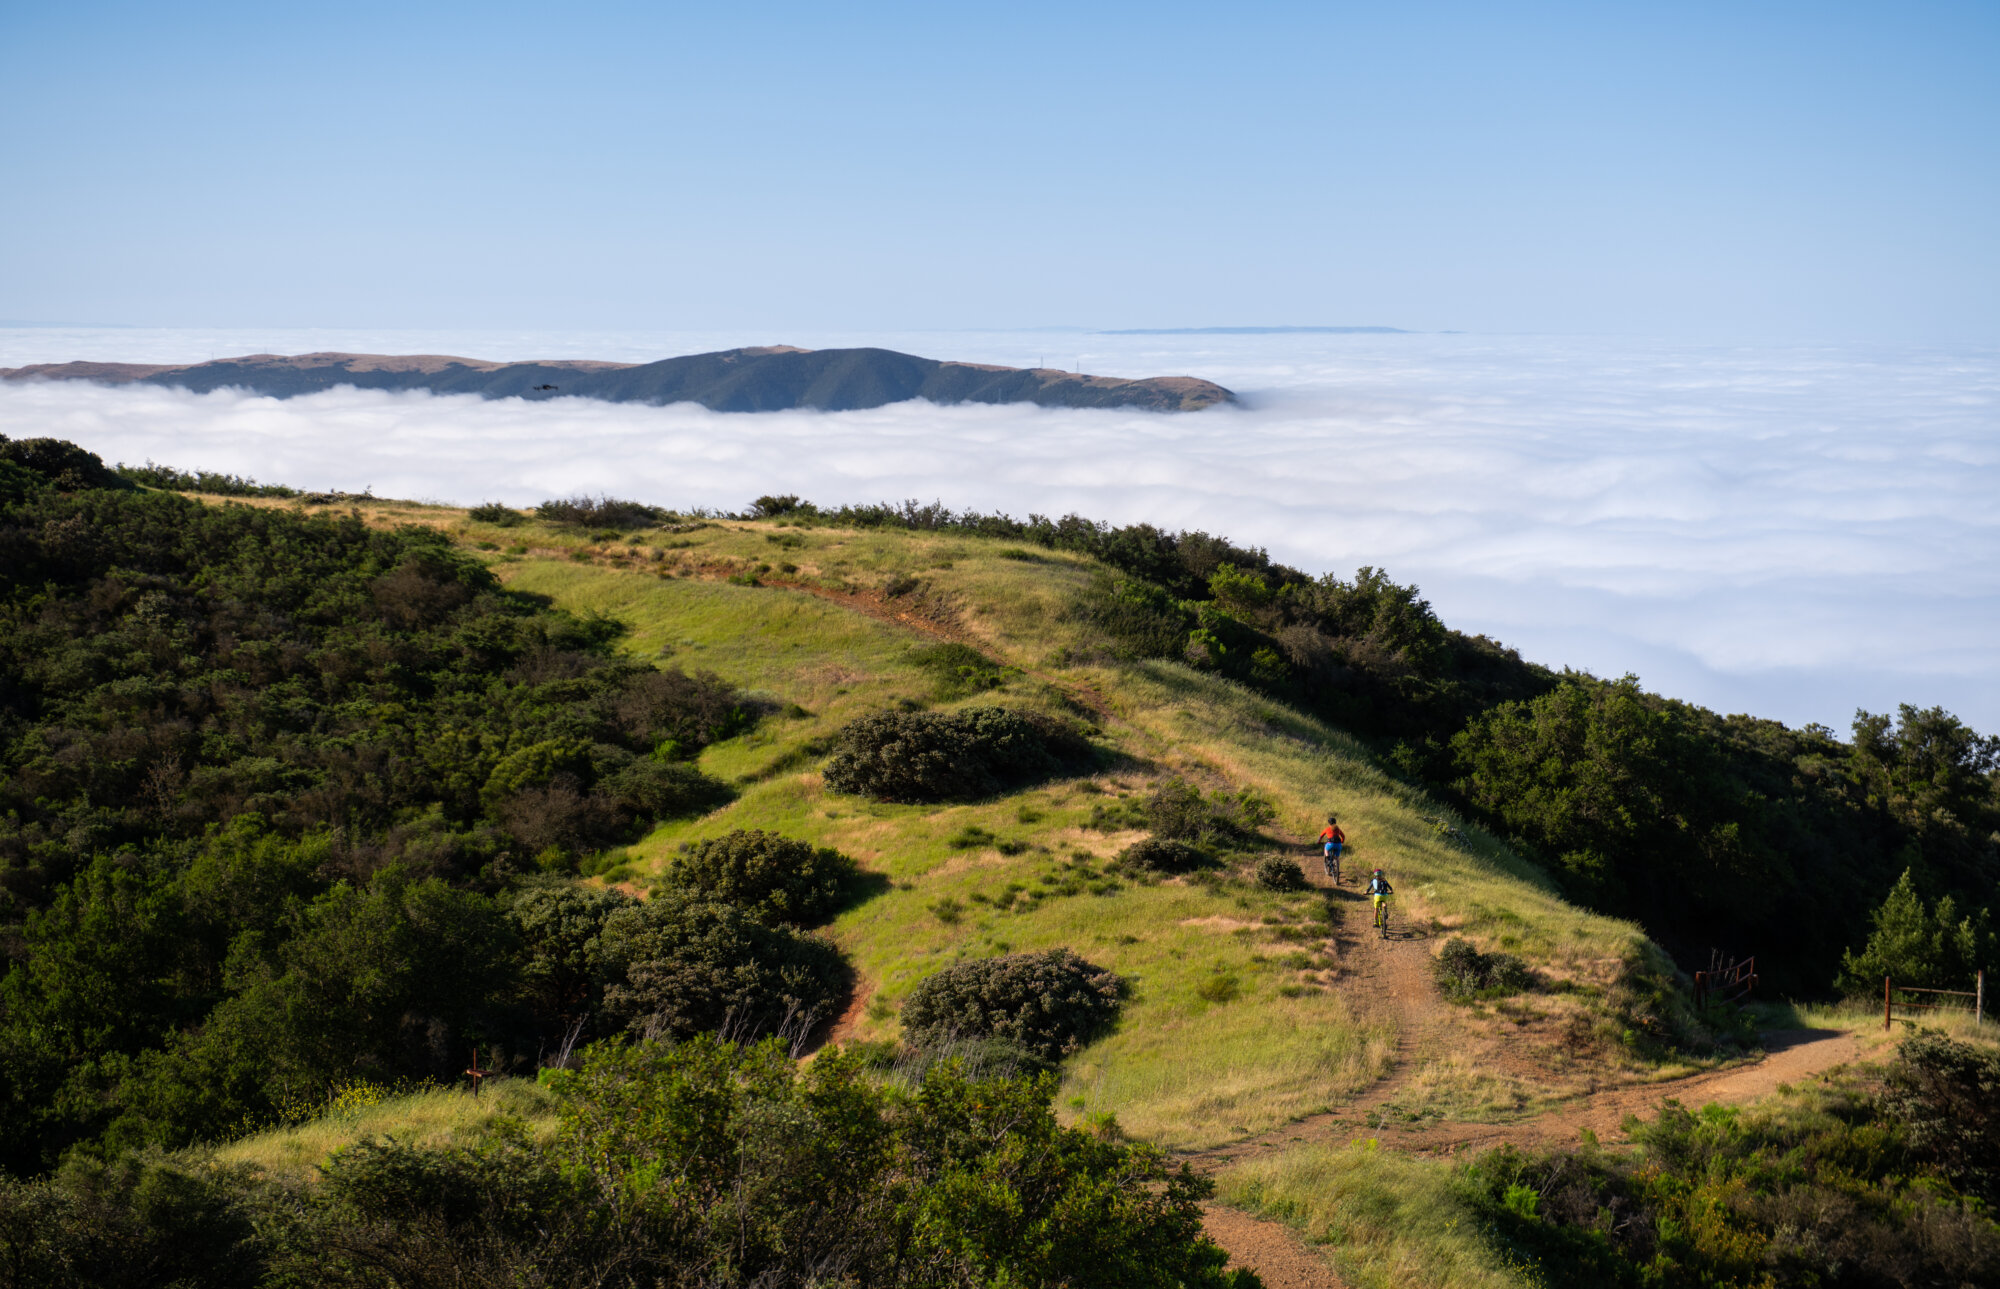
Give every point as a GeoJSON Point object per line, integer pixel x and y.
{"type": "Point", "coordinates": [1390, 979]}
{"type": "Point", "coordinates": [1273, 1250]}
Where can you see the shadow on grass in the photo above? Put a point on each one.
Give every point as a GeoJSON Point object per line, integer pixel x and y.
{"type": "Point", "coordinates": [861, 888]}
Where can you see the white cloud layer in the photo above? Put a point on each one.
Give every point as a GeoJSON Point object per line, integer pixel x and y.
{"type": "Point", "coordinates": [1790, 532]}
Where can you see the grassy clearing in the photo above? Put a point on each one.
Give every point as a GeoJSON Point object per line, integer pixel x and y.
{"type": "Point", "coordinates": [1388, 1221]}
{"type": "Point", "coordinates": [1862, 1017]}
{"type": "Point", "coordinates": [436, 1117]}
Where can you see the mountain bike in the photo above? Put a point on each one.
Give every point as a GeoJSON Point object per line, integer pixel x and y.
{"type": "Point", "coordinates": [1333, 863]}
{"type": "Point", "coordinates": [1382, 915]}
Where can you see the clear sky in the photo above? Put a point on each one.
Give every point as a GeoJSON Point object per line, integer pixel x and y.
{"type": "Point", "coordinates": [1791, 171]}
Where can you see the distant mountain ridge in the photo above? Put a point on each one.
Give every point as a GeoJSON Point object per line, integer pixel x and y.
{"type": "Point", "coordinates": [765, 379]}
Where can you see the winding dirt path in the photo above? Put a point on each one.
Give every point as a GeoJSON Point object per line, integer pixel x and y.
{"type": "Point", "coordinates": [1390, 980]}
{"type": "Point", "coordinates": [1277, 1253]}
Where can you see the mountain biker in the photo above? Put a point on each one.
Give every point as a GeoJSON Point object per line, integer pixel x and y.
{"type": "Point", "coordinates": [1331, 839]}
{"type": "Point", "coordinates": [1378, 891]}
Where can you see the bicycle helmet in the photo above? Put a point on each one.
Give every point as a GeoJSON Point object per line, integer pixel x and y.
{"type": "Point", "coordinates": [1378, 872]}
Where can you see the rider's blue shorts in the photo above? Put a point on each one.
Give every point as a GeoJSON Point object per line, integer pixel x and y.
{"type": "Point", "coordinates": [1333, 850]}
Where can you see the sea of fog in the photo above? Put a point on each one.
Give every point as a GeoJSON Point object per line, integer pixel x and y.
{"type": "Point", "coordinates": [1789, 531]}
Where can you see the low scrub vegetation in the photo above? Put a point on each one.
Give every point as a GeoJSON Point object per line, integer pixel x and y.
{"type": "Point", "coordinates": [1854, 1180]}
{"type": "Point", "coordinates": [1276, 873]}
{"type": "Point", "coordinates": [266, 784]}
{"type": "Point", "coordinates": [1902, 1194]}
{"type": "Point", "coordinates": [497, 514]}
{"type": "Point", "coordinates": [1162, 855]}
{"type": "Point", "coordinates": [952, 756]}
{"type": "Point", "coordinates": [1181, 811]}
{"type": "Point", "coordinates": [168, 479]}
{"type": "Point", "coordinates": [694, 1166]}
{"type": "Point", "coordinates": [1049, 1003]}
{"type": "Point", "coordinates": [1464, 973]}
{"type": "Point", "coordinates": [601, 512]}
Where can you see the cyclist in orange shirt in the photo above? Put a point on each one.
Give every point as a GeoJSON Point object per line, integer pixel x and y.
{"type": "Point", "coordinates": [1331, 839]}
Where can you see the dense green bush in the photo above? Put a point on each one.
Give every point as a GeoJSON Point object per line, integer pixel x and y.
{"type": "Point", "coordinates": [600, 512]}
{"type": "Point", "coordinates": [774, 879]}
{"type": "Point", "coordinates": [1162, 855]}
{"type": "Point", "coordinates": [1179, 809]}
{"type": "Point", "coordinates": [261, 777]}
{"type": "Point", "coordinates": [1463, 972]}
{"type": "Point", "coordinates": [497, 514]}
{"type": "Point", "coordinates": [701, 1165]}
{"type": "Point", "coordinates": [952, 756]}
{"type": "Point", "coordinates": [168, 479]}
{"type": "Point", "coordinates": [1276, 873]}
{"type": "Point", "coordinates": [60, 464]}
{"type": "Point", "coordinates": [1946, 1096]}
{"type": "Point", "coordinates": [1050, 1003]}
{"type": "Point", "coordinates": [1825, 1185]}
{"type": "Point", "coordinates": [558, 924]}
{"type": "Point", "coordinates": [680, 964]}
{"type": "Point", "coordinates": [137, 1222]}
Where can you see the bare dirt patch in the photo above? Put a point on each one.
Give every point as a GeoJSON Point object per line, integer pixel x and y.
{"type": "Point", "coordinates": [1273, 1250]}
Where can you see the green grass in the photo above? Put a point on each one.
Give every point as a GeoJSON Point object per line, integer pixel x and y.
{"type": "Point", "coordinates": [1229, 1031]}
{"type": "Point", "coordinates": [436, 1117]}
{"type": "Point", "coordinates": [1388, 1221]}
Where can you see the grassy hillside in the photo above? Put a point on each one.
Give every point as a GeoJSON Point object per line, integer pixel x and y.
{"type": "Point", "coordinates": [1268, 1033]}
{"type": "Point", "coordinates": [1251, 1008]}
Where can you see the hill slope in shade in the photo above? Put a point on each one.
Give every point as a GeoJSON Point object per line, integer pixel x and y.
{"type": "Point", "coordinates": [769, 379]}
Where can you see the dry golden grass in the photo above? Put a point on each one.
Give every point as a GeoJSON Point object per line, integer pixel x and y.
{"type": "Point", "coordinates": [1387, 1221]}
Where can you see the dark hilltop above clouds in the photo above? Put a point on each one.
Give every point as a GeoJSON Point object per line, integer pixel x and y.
{"type": "Point", "coordinates": [770, 379]}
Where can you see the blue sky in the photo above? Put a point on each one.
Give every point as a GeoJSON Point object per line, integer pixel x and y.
{"type": "Point", "coordinates": [1761, 171]}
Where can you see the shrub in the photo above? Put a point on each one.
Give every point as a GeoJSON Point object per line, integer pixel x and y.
{"type": "Point", "coordinates": [1179, 809]}
{"type": "Point", "coordinates": [60, 462]}
{"type": "Point", "coordinates": [769, 507]}
{"type": "Point", "coordinates": [1276, 873]}
{"type": "Point", "coordinates": [773, 878]}
{"type": "Point", "coordinates": [493, 512]}
{"type": "Point", "coordinates": [680, 965]}
{"type": "Point", "coordinates": [1947, 1096]}
{"type": "Point", "coordinates": [1049, 1003]}
{"type": "Point", "coordinates": [167, 479]}
{"type": "Point", "coordinates": [1162, 855]}
{"type": "Point", "coordinates": [134, 1221]}
{"type": "Point", "coordinates": [951, 756]}
{"type": "Point", "coordinates": [1463, 972]}
{"type": "Point", "coordinates": [600, 512]}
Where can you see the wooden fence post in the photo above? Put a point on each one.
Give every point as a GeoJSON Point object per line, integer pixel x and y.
{"type": "Point", "coordinates": [1978, 999]}
{"type": "Point", "coordinates": [1885, 1002]}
